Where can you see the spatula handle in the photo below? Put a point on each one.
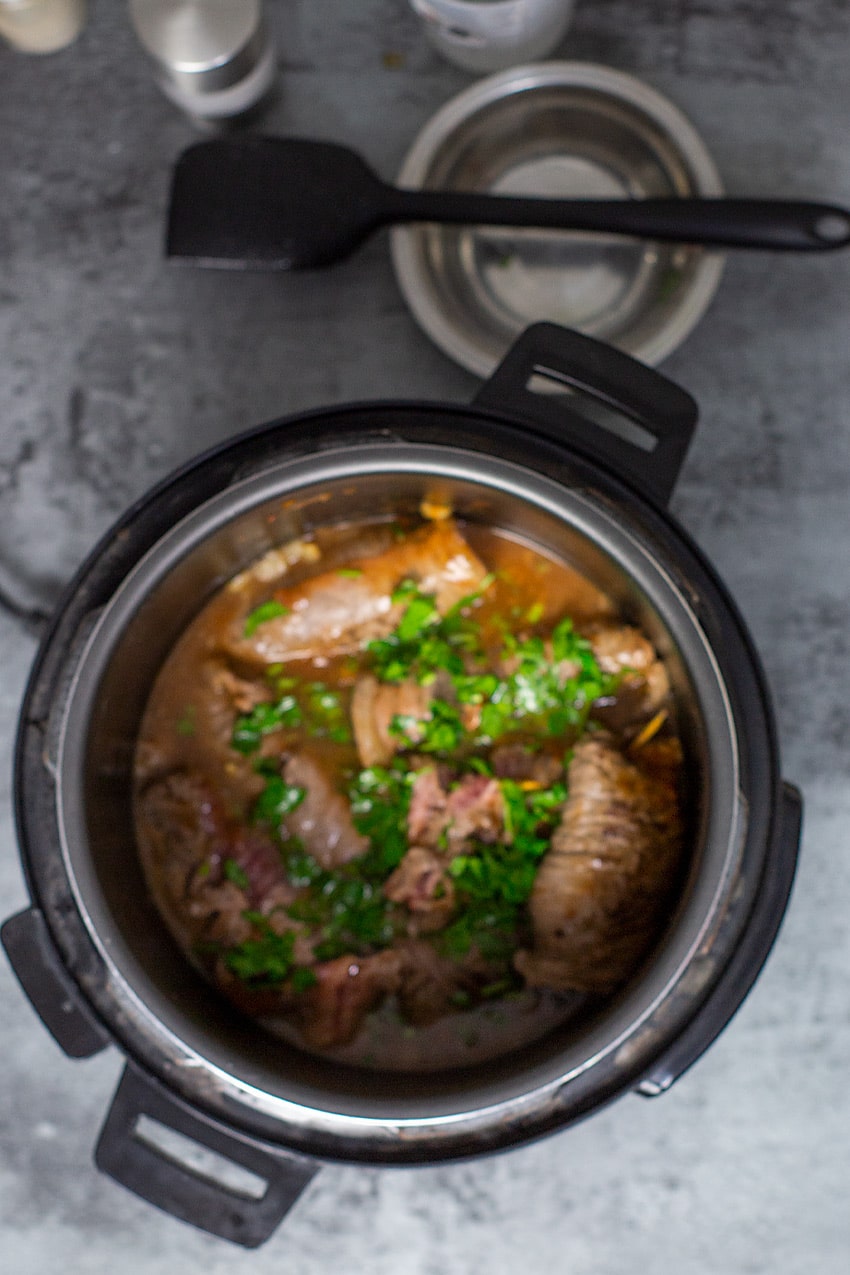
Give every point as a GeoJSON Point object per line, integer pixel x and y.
{"type": "Point", "coordinates": [777, 224]}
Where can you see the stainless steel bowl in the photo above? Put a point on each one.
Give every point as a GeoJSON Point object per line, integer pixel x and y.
{"type": "Point", "coordinates": [555, 129]}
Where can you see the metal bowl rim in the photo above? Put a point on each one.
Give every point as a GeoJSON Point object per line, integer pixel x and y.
{"type": "Point", "coordinates": [451, 338]}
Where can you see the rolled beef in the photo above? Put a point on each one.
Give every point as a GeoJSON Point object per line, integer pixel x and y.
{"type": "Point", "coordinates": [600, 892]}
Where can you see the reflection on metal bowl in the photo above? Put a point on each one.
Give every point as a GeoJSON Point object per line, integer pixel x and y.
{"type": "Point", "coordinates": [557, 129]}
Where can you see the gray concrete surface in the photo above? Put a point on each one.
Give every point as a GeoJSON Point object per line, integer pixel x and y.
{"type": "Point", "coordinates": [114, 367]}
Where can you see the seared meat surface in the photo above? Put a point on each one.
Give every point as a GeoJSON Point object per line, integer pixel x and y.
{"type": "Point", "coordinates": [335, 614]}
{"type": "Point", "coordinates": [375, 706]}
{"type": "Point", "coordinates": [322, 819]}
{"type": "Point", "coordinates": [624, 650]}
{"type": "Point", "coordinates": [601, 888]}
{"type": "Point", "coordinates": [207, 869]}
{"type": "Point", "coordinates": [448, 816]}
{"type": "Point", "coordinates": [346, 989]}
{"type": "Point", "coordinates": [423, 885]}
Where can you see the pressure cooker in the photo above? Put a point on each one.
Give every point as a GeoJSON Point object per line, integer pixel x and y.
{"type": "Point", "coordinates": [571, 445]}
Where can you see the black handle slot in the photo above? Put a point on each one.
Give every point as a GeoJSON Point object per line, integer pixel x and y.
{"type": "Point", "coordinates": [593, 409]}
{"type": "Point", "coordinates": [194, 1168]}
{"type": "Point", "coordinates": [748, 960]}
{"type": "Point", "coordinates": [611, 407]}
{"type": "Point", "coordinates": [193, 1157]}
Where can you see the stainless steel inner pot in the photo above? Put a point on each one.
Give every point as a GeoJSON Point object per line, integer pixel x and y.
{"type": "Point", "coordinates": [195, 1059]}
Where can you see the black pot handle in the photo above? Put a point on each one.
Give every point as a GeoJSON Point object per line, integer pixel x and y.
{"type": "Point", "coordinates": [748, 959]}
{"type": "Point", "coordinates": [614, 409]}
{"type": "Point", "coordinates": [49, 987]}
{"type": "Point", "coordinates": [244, 1217]}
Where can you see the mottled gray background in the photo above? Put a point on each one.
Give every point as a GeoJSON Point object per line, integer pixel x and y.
{"type": "Point", "coordinates": [113, 367]}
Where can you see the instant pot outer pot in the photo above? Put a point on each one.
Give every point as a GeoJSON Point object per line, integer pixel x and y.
{"type": "Point", "coordinates": [584, 473]}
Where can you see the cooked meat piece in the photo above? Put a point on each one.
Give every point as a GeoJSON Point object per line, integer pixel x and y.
{"type": "Point", "coordinates": [347, 989]}
{"type": "Point", "coordinates": [238, 694]}
{"type": "Point", "coordinates": [322, 821]}
{"type": "Point", "coordinates": [177, 829]}
{"type": "Point", "coordinates": [521, 763]}
{"type": "Point", "coordinates": [422, 883]}
{"type": "Point", "coordinates": [432, 985]}
{"type": "Point", "coordinates": [426, 814]}
{"type": "Point", "coordinates": [274, 565]}
{"type": "Point", "coordinates": [196, 733]}
{"type": "Point", "coordinates": [374, 705]}
{"type": "Point", "coordinates": [447, 819]}
{"type": "Point", "coordinates": [153, 759]}
{"type": "Point", "coordinates": [646, 684]}
{"type": "Point", "coordinates": [203, 868]}
{"type": "Point", "coordinates": [217, 914]}
{"type": "Point", "coordinates": [187, 841]}
{"type": "Point", "coordinates": [600, 892]}
{"type": "Point", "coordinates": [335, 614]}
{"type": "Point", "coordinates": [661, 756]}
{"type": "Point", "coordinates": [475, 810]}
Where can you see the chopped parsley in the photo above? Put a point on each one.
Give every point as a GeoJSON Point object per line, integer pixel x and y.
{"type": "Point", "coordinates": [488, 925]}
{"type": "Point", "coordinates": [315, 707]}
{"type": "Point", "coordinates": [268, 960]}
{"type": "Point", "coordinates": [325, 716]}
{"type": "Point", "coordinates": [236, 873]}
{"type": "Point", "coordinates": [506, 871]}
{"type": "Point", "coordinates": [380, 798]}
{"type": "Point", "coordinates": [346, 907]}
{"type": "Point", "coordinates": [441, 732]}
{"type": "Point", "coordinates": [424, 643]}
{"type": "Point", "coordinates": [266, 611]}
{"type": "Point", "coordinates": [348, 912]}
{"type": "Point", "coordinates": [550, 689]}
{"type": "Point", "coordinates": [265, 719]}
{"type": "Point", "coordinates": [276, 801]}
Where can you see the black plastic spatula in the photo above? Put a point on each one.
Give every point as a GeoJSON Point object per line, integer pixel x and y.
{"type": "Point", "coordinates": [291, 204]}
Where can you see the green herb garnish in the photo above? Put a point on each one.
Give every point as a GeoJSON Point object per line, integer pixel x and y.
{"type": "Point", "coordinates": [269, 959]}
{"type": "Point", "coordinates": [265, 719]}
{"type": "Point", "coordinates": [549, 693]}
{"type": "Point", "coordinates": [236, 873]}
{"type": "Point", "coordinates": [266, 611]}
{"type": "Point", "coordinates": [380, 798]}
{"type": "Point", "coordinates": [263, 961]}
{"type": "Point", "coordinates": [442, 732]}
{"type": "Point", "coordinates": [325, 715]}
{"type": "Point", "coordinates": [424, 643]}
{"type": "Point", "coordinates": [316, 707]}
{"type": "Point", "coordinates": [276, 801]}
{"type": "Point", "coordinates": [493, 882]}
